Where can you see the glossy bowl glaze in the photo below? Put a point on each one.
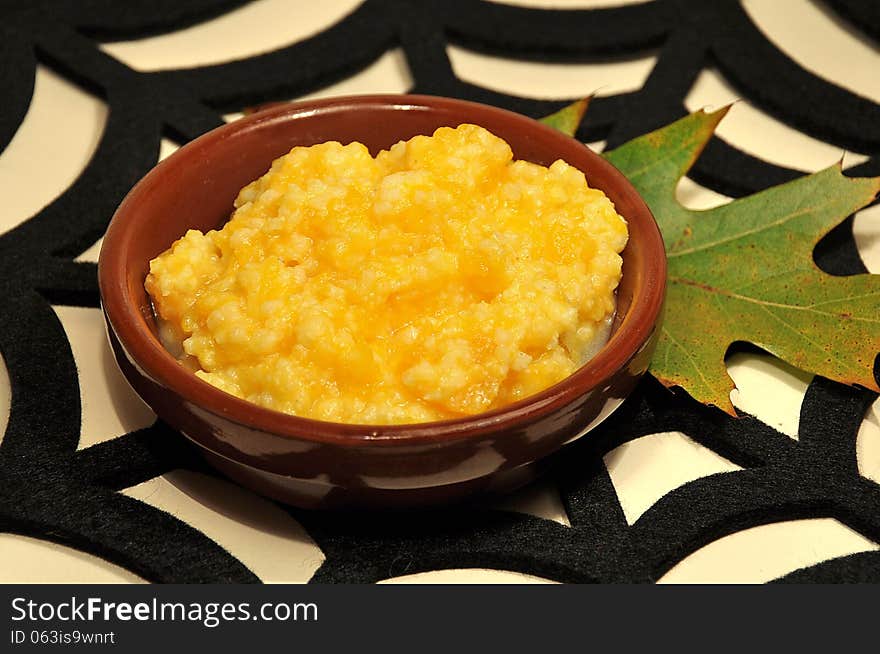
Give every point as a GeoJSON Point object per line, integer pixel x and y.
{"type": "Point", "coordinates": [311, 463]}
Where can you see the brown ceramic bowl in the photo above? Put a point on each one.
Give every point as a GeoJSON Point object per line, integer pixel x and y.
{"type": "Point", "coordinates": [311, 463]}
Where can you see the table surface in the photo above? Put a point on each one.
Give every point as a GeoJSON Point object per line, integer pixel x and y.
{"type": "Point", "coordinates": [64, 125]}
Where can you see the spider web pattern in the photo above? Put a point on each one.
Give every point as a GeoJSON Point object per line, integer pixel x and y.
{"type": "Point", "coordinates": [50, 490]}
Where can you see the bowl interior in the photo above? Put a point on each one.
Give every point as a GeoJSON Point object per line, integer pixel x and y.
{"type": "Point", "coordinates": [195, 188]}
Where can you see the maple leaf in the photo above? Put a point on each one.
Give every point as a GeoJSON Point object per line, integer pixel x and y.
{"type": "Point", "coordinates": [744, 271]}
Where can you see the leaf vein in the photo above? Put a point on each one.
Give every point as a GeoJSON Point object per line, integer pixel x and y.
{"type": "Point", "coordinates": [803, 336]}
{"type": "Point", "coordinates": [750, 232]}
{"type": "Point", "coordinates": [779, 305]}
{"type": "Point", "coordinates": [688, 355]}
{"type": "Point", "coordinates": [845, 299]}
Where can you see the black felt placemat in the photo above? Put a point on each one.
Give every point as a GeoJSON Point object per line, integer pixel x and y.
{"type": "Point", "coordinates": [50, 490]}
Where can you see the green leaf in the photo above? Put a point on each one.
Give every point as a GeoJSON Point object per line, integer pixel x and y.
{"type": "Point", "coordinates": [568, 119]}
{"type": "Point", "coordinates": [744, 271]}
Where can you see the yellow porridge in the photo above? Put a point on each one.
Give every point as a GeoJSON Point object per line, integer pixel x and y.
{"type": "Point", "coordinates": [438, 279]}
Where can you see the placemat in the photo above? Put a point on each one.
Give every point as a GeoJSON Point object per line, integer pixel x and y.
{"type": "Point", "coordinates": [663, 482]}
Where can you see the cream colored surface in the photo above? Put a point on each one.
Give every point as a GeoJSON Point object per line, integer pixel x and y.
{"type": "Point", "coordinates": [868, 444]}
{"type": "Point", "coordinates": [694, 196]}
{"type": "Point", "coordinates": [388, 74]}
{"type": "Point", "coordinates": [5, 398]}
{"type": "Point", "coordinates": [867, 237]}
{"type": "Point", "coordinates": [271, 543]}
{"type": "Point", "coordinates": [25, 560]}
{"type": "Point", "coordinates": [769, 389]}
{"type": "Point", "coordinates": [261, 26]}
{"type": "Point", "coordinates": [645, 469]}
{"type": "Point", "coordinates": [764, 553]}
{"type": "Point", "coordinates": [557, 80]}
{"type": "Point", "coordinates": [29, 182]}
{"type": "Point", "coordinates": [263, 536]}
{"type": "Point", "coordinates": [567, 4]}
{"type": "Point", "coordinates": [819, 41]}
{"type": "Point", "coordinates": [759, 134]}
{"type": "Point", "coordinates": [466, 576]}
{"type": "Point", "coordinates": [110, 408]}
{"type": "Point", "coordinates": [540, 499]}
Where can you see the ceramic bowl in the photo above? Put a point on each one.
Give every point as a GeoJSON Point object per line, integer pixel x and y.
{"type": "Point", "coordinates": [310, 463]}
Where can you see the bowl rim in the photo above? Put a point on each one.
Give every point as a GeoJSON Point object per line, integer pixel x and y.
{"type": "Point", "coordinates": [127, 322]}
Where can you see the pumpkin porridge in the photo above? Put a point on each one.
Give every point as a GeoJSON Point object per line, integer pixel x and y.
{"type": "Point", "coordinates": [438, 279]}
